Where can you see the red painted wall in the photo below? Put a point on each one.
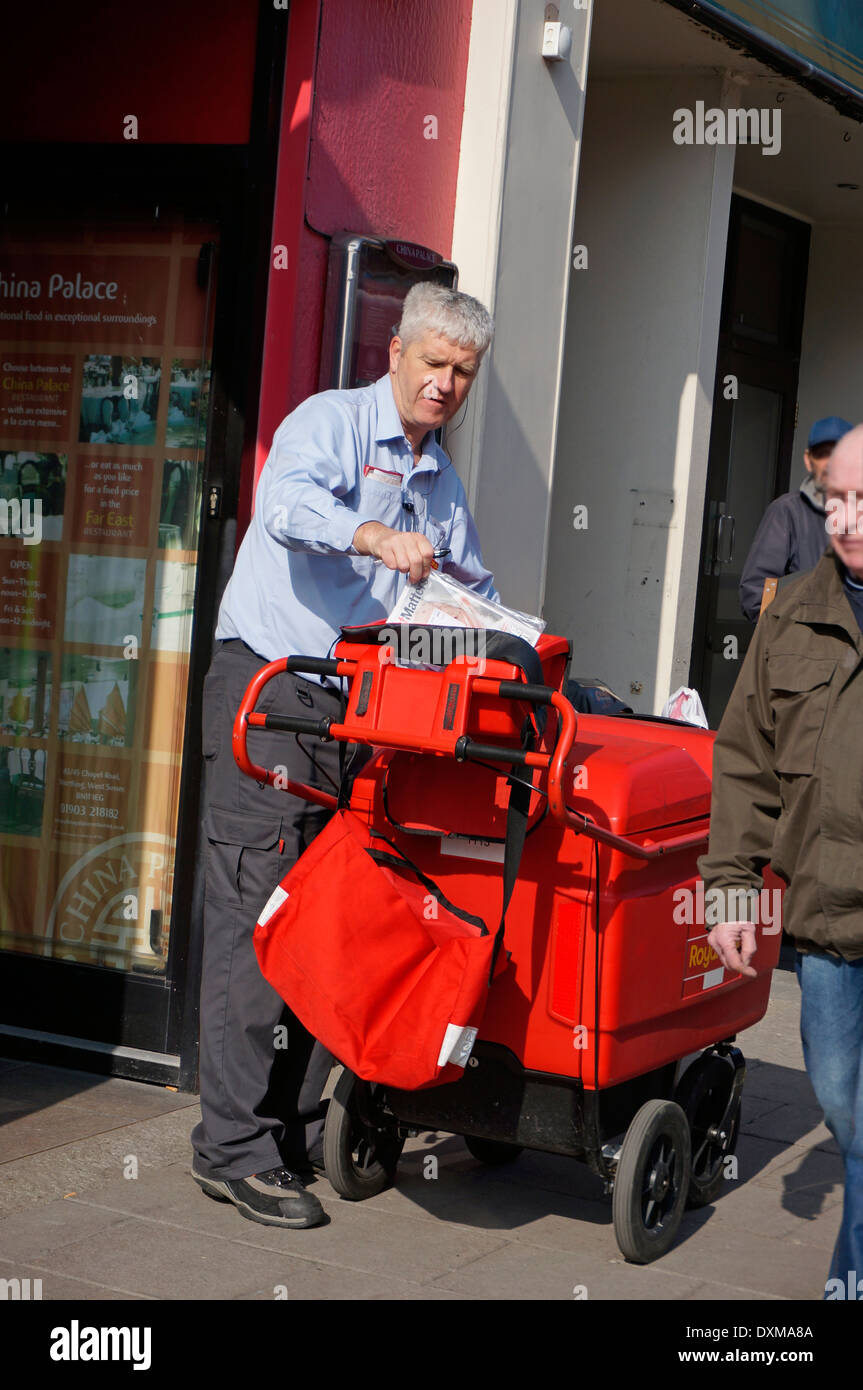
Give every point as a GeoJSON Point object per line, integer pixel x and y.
{"type": "Point", "coordinates": [73, 71]}
{"type": "Point", "coordinates": [360, 81]}
{"type": "Point", "coordinates": [384, 66]}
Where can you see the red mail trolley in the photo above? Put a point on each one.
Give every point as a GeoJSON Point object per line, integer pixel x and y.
{"type": "Point", "coordinates": [609, 1037]}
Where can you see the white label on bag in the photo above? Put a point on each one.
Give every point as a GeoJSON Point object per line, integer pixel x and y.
{"type": "Point", "coordinates": [467, 847]}
{"type": "Point", "coordinates": [276, 898]}
{"type": "Point", "coordinates": [713, 977]}
{"type": "Point", "coordinates": [457, 1045]}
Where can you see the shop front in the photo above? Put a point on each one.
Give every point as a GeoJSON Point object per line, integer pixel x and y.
{"type": "Point", "coordinates": [172, 282]}
{"type": "Point", "coordinates": [131, 324]}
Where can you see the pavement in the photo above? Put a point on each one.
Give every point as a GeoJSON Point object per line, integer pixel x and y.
{"type": "Point", "coordinates": [96, 1201]}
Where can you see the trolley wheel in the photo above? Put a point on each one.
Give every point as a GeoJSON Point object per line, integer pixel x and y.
{"type": "Point", "coordinates": [360, 1161]}
{"type": "Point", "coordinates": [651, 1181]}
{"type": "Point", "coordinates": [492, 1151]}
{"type": "Point", "coordinates": [703, 1095]}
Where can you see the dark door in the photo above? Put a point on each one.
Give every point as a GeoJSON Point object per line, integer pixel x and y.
{"type": "Point", "coordinates": [751, 442]}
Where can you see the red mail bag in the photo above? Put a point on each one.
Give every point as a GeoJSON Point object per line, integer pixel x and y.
{"type": "Point", "coordinates": [373, 959]}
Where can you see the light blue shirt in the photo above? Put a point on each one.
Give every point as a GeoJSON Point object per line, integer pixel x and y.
{"type": "Point", "coordinates": [340, 459]}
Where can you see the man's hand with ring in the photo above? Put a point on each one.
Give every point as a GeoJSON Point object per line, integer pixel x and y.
{"type": "Point", "coordinates": [408, 551]}
{"type": "Point", "coordinates": [734, 943]}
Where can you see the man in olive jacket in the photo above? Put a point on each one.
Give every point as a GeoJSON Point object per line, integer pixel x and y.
{"type": "Point", "coordinates": [788, 790]}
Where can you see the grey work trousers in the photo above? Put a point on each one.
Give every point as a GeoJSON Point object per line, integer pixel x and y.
{"type": "Point", "coordinates": [261, 1072]}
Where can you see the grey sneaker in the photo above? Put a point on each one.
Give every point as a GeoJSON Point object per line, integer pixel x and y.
{"type": "Point", "coordinates": [274, 1198]}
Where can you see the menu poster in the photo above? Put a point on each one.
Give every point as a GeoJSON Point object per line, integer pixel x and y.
{"type": "Point", "coordinates": [112, 500]}
{"type": "Point", "coordinates": [35, 397]}
{"type": "Point", "coordinates": [28, 589]}
{"type": "Point", "coordinates": [105, 361]}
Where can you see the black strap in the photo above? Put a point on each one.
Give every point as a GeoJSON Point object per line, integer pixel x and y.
{"type": "Point", "coordinates": [516, 831]}
{"type": "Point", "coordinates": [343, 799]}
{"type": "Point", "coordinates": [393, 862]}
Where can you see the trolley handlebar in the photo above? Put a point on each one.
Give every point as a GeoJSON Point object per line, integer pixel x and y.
{"type": "Point", "coordinates": [465, 748]}
{"type": "Point", "coordinates": [314, 665]}
{"type": "Point", "coordinates": [246, 718]}
{"type": "Point", "coordinates": [294, 724]}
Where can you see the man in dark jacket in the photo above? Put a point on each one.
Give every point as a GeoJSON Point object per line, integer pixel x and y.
{"type": "Point", "coordinates": [787, 779]}
{"type": "Point", "coordinates": [791, 535]}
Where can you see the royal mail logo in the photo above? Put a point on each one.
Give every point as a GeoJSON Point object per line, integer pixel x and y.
{"type": "Point", "coordinates": [701, 956]}
{"type": "Point", "coordinates": [702, 968]}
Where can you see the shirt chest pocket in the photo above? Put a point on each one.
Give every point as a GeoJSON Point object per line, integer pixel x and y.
{"type": "Point", "coordinates": [799, 696]}
{"type": "Point", "coordinates": [382, 501]}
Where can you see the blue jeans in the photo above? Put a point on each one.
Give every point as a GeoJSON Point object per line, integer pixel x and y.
{"type": "Point", "coordinates": [831, 1026]}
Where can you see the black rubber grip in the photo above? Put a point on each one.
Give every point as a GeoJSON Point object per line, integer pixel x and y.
{"type": "Point", "coordinates": [466, 749]}
{"type": "Point", "coordinates": [296, 724]}
{"type": "Point", "coordinates": [518, 690]}
{"type": "Point", "coordinates": [318, 665]}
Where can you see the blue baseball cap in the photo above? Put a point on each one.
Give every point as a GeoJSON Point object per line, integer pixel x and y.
{"type": "Point", "coordinates": [828, 430]}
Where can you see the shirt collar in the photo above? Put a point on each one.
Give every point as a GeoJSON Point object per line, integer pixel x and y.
{"type": "Point", "coordinates": [849, 581]}
{"type": "Point", "coordinates": [389, 420]}
{"type": "Point", "coordinates": [390, 426]}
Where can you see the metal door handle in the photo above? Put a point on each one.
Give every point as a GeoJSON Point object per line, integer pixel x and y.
{"type": "Point", "coordinates": [724, 539]}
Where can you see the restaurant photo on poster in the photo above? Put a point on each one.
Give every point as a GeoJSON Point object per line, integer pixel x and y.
{"type": "Point", "coordinates": [104, 396]}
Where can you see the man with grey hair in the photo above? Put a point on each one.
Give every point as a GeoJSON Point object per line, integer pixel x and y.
{"type": "Point", "coordinates": [355, 497]}
{"type": "Point", "coordinates": [788, 790]}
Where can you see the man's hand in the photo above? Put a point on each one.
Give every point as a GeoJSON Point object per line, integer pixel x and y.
{"type": "Point", "coordinates": [408, 551]}
{"type": "Point", "coordinates": [734, 943]}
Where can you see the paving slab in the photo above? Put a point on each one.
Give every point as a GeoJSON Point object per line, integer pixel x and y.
{"type": "Point", "coordinates": [753, 1108]}
{"type": "Point", "coordinates": [783, 1265]}
{"type": "Point", "coordinates": [793, 1123]}
{"type": "Point", "coordinates": [355, 1238]}
{"type": "Point", "coordinates": [35, 1086]}
{"type": "Point", "coordinates": [745, 1206]}
{"type": "Point", "coordinates": [798, 1169]}
{"type": "Point", "coordinates": [167, 1261]}
{"type": "Point", "coordinates": [28, 1132]}
{"type": "Point", "coordinates": [46, 1228]}
{"type": "Point", "coordinates": [56, 1287]}
{"type": "Point", "coordinates": [758, 1160]}
{"type": "Point", "coordinates": [530, 1216]}
{"type": "Point", "coordinates": [710, 1292]}
{"type": "Point", "coordinates": [550, 1172]}
{"type": "Point", "coordinates": [85, 1163]}
{"type": "Point", "coordinates": [321, 1282]}
{"type": "Point", "coordinates": [777, 1083]}
{"type": "Point", "coordinates": [525, 1272]}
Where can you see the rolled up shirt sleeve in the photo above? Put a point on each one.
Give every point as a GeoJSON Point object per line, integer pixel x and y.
{"type": "Point", "coordinates": [315, 466]}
